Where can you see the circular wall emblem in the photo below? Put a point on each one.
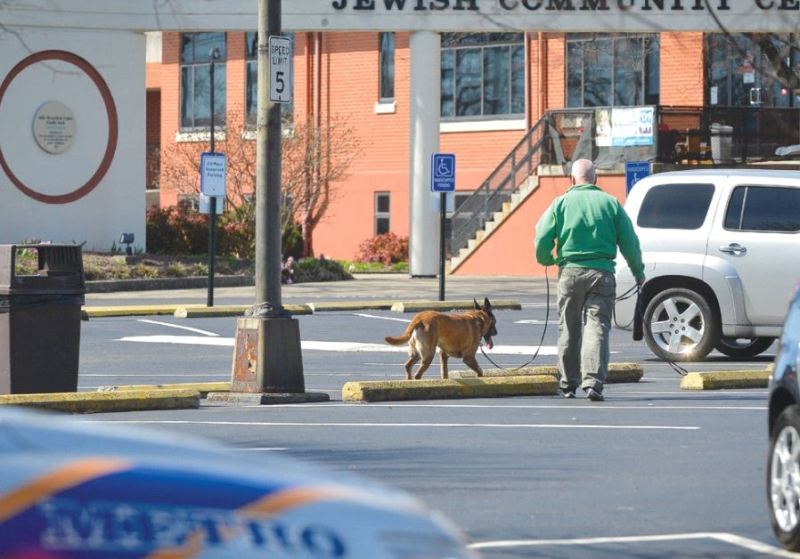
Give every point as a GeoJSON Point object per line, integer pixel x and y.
{"type": "Point", "coordinates": [54, 127]}
{"type": "Point", "coordinates": [113, 126]}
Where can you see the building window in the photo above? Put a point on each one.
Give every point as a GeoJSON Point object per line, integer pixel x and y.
{"type": "Point", "coordinates": [741, 74]}
{"type": "Point", "coordinates": [483, 75]}
{"type": "Point", "coordinates": [189, 201]}
{"type": "Point", "coordinates": [612, 70]}
{"type": "Point", "coordinates": [196, 52]}
{"type": "Point", "coordinates": [251, 100]}
{"type": "Point", "coordinates": [381, 212]}
{"type": "Point", "coordinates": [387, 67]}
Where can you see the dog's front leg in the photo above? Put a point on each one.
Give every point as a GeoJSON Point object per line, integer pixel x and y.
{"type": "Point", "coordinates": [443, 360]}
{"type": "Point", "coordinates": [472, 363]}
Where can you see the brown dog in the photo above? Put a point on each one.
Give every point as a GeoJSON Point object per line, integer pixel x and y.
{"type": "Point", "coordinates": [456, 335]}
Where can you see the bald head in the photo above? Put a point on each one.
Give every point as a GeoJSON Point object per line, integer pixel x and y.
{"type": "Point", "coordinates": [583, 172]}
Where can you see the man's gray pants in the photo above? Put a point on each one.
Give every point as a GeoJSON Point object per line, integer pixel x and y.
{"type": "Point", "coordinates": [583, 350]}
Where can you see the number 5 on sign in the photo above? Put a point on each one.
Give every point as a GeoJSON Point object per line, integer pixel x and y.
{"type": "Point", "coordinates": [280, 69]}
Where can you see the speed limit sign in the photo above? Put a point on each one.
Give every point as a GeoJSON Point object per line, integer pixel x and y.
{"type": "Point", "coordinates": [280, 69]}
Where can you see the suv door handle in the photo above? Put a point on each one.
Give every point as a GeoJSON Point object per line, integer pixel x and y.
{"type": "Point", "coordinates": [734, 248]}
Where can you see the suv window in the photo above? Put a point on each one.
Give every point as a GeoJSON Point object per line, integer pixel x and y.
{"type": "Point", "coordinates": [763, 208]}
{"type": "Point", "coordinates": [675, 206]}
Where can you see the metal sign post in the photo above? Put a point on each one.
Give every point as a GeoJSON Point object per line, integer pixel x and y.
{"type": "Point", "coordinates": [213, 174]}
{"type": "Point", "coordinates": [443, 180]}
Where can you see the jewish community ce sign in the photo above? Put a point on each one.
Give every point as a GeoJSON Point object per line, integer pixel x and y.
{"type": "Point", "coordinates": [544, 15]}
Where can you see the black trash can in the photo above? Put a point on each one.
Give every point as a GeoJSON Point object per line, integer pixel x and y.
{"type": "Point", "coordinates": [40, 320]}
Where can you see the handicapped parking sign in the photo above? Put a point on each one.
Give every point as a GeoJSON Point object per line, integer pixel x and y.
{"type": "Point", "coordinates": [443, 172]}
{"type": "Point", "coordinates": [634, 172]}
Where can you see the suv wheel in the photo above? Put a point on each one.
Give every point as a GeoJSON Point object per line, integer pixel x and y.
{"type": "Point", "coordinates": [742, 348]}
{"type": "Point", "coordinates": [679, 325]}
{"type": "Point", "coordinates": [783, 478]}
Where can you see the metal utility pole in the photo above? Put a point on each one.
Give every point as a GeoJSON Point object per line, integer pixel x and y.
{"type": "Point", "coordinates": [267, 358]}
{"type": "Point", "coordinates": [268, 168]}
{"type": "Point", "coordinates": [212, 218]}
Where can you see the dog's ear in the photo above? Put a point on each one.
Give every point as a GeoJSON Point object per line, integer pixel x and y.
{"type": "Point", "coordinates": [486, 304]}
{"type": "Point", "coordinates": [477, 306]}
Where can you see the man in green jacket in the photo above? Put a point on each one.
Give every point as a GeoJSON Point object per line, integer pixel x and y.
{"type": "Point", "coordinates": [585, 226]}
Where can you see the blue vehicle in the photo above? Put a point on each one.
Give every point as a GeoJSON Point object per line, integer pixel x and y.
{"type": "Point", "coordinates": [783, 470]}
{"type": "Point", "coordinates": [75, 490]}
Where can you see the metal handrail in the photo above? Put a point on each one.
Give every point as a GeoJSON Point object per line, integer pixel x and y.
{"type": "Point", "coordinates": [521, 162]}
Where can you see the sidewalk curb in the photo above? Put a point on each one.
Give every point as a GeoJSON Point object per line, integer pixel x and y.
{"type": "Point", "coordinates": [103, 402]}
{"type": "Point", "coordinates": [719, 380]}
{"type": "Point", "coordinates": [487, 387]}
{"type": "Point", "coordinates": [618, 373]}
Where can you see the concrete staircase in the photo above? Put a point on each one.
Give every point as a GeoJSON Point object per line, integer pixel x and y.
{"type": "Point", "coordinates": [525, 190]}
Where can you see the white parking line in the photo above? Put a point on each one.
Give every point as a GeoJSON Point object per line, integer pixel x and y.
{"type": "Point", "coordinates": [187, 328]}
{"type": "Point", "coordinates": [312, 345]}
{"type": "Point", "coordinates": [732, 539]}
{"type": "Point", "coordinates": [577, 404]}
{"type": "Point", "coordinates": [363, 315]}
{"type": "Point", "coordinates": [407, 425]}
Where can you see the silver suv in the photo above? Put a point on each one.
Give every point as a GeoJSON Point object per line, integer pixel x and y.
{"type": "Point", "coordinates": [721, 249]}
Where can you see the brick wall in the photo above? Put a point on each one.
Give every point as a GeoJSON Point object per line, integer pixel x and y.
{"type": "Point", "coordinates": [682, 69]}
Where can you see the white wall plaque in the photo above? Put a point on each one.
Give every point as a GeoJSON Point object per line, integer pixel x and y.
{"type": "Point", "coordinates": [54, 127]}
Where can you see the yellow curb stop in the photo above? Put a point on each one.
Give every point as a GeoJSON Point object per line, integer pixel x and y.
{"type": "Point", "coordinates": [231, 310]}
{"type": "Point", "coordinates": [617, 372]}
{"type": "Point", "coordinates": [486, 387]}
{"type": "Point", "coordinates": [131, 310]}
{"type": "Point", "coordinates": [202, 387]}
{"type": "Point", "coordinates": [351, 306]}
{"type": "Point", "coordinates": [416, 306]}
{"type": "Point", "coordinates": [100, 402]}
{"type": "Point", "coordinates": [720, 380]}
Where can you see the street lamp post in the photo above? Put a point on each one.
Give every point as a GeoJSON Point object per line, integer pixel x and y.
{"type": "Point", "coordinates": [212, 218]}
{"type": "Point", "coordinates": [267, 359]}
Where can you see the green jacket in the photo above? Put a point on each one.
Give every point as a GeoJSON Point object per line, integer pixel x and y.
{"type": "Point", "coordinates": [586, 225]}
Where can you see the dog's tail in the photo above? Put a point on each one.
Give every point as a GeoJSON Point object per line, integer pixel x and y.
{"type": "Point", "coordinates": [400, 340]}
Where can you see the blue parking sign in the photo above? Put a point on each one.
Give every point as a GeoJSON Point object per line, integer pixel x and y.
{"type": "Point", "coordinates": [443, 172]}
{"type": "Point", "coordinates": [634, 172]}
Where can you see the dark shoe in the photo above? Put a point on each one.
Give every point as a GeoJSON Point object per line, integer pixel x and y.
{"type": "Point", "coordinates": [594, 395]}
{"type": "Point", "coordinates": [567, 393]}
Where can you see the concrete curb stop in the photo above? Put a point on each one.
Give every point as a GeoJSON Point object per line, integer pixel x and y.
{"type": "Point", "coordinates": [487, 387]}
{"type": "Point", "coordinates": [131, 310]}
{"type": "Point", "coordinates": [351, 306]}
{"type": "Point", "coordinates": [202, 387]}
{"type": "Point", "coordinates": [416, 306]}
{"type": "Point", "coordinates": [202, 311]}
{"type": "Point", "coordinates": [103, 402]}
{"type": "Point", "coordinates": [617, 372]}
{"type": "Point", "coordinates": [267, 398]}
{"type": "Point", "coordinates": [720, 380]}
{"type": "Point", "coordinates": [232, 310]}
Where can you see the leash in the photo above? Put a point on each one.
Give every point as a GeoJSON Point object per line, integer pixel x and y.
{"type": "Point", "coordinates": [637, 322]}
{"type": "Point", "coordinates": [544, 331]}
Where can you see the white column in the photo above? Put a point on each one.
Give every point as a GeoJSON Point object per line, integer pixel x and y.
{"type": "Point", "coordinates": [424, 141]}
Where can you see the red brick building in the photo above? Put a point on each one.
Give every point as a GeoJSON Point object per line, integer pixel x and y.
{"type": "Point", "coordinates": [495, 87]}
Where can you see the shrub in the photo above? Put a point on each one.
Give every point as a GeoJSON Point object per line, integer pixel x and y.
{"type": "Point", "coordinates": [313, 269]}
{"type": "Point", "coordinates": [176, 230]}
{"type": "Point", "coordinates": [387, 248]}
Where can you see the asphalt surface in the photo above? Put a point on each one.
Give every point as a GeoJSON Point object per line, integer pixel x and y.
{"type": "Point", "coordinates": [655, 471]}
